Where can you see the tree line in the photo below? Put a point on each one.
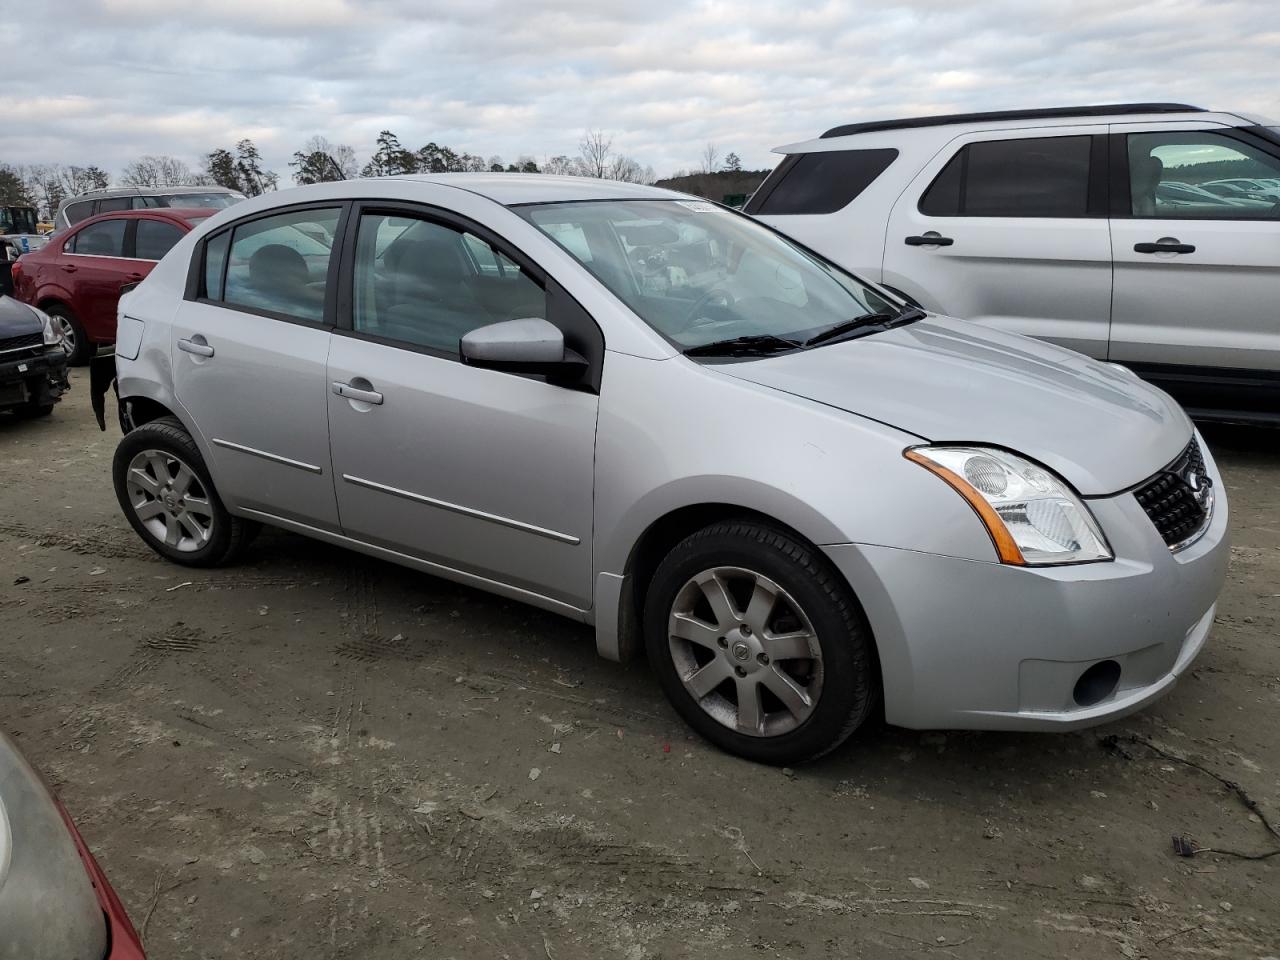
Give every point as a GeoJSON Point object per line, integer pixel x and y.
{"type": "Point", "coordinates": [46, 186]}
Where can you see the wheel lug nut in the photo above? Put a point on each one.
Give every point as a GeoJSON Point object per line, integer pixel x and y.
{"type": "Point", "coordinates": [763, 658]}
{"type": "Point", "coordinates": [746, 631]}
{"type": "Point", "coordinates": [740, 671]}
{"type": "Point", "coordinates": [722, 641]}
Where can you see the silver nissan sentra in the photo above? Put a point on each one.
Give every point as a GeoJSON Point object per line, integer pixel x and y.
{"type": "Point", "coordinates": [649, 413]}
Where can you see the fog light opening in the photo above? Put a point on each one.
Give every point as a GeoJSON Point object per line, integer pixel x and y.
{"type": "Point", "coordinates": [1097, 683]}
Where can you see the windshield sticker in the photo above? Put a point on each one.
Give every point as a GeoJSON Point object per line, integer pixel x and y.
{"type": "Point", "coordinates": [697, 206]}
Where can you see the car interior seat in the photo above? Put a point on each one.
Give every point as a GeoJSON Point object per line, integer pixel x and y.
{"type": "Point", "coordinates": [1146, 175]}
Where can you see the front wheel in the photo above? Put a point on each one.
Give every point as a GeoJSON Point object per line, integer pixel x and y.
{"type": "Point", "coordinates": [166, 493]}
{"type": "Point", "coordinates": [759, 643]}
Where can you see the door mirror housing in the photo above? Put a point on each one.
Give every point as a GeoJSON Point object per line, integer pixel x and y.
{"type": "Point", "coordinates": [529, 345]}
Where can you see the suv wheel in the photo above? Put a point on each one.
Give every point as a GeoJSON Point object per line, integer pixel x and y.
{"type": "Point", "coordinates": [75, 342]}
{"type": "Point", "coordinates": [165, 490]}
{"type": "Point", "coordinates": [759, 643]}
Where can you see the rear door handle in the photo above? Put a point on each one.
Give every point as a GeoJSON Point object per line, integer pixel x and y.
{"type": "Point", "coordinates": [195, 347]}
{"type": "Point", "coordinates": [68, 267]}
{"type": "Point", "coordinates": [1164, 246]}
{"type": "Point", "coordinates": [355, 393]}
{"type": "Point", "coordinates": [928, 240]}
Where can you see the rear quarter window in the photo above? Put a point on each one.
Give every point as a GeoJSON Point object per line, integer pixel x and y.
{"type": "Point", "coordinates": [815, 183]}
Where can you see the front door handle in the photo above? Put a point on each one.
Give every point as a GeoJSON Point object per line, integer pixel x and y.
{"type": "Point", "coordinates": [196, 347]}
{"type": "Point", "coordinates": [930, 239]}
{"type": "Point", "coordinates": [355, 393]}
{"type": "Point", "coordinates": [1164, 246]}
{"type": "Point", "coordinates": [68, 268]}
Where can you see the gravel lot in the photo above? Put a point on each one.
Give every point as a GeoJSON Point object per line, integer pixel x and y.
{"type": "Point", "coordinates": [319, 755]}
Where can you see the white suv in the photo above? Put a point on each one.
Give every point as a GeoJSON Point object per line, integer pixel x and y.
{"type": "Point", "coordinates": [1119, 231]}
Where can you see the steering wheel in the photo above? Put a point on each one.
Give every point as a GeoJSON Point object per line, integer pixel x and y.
{"type": "Point", "coordinates": [716, 293]}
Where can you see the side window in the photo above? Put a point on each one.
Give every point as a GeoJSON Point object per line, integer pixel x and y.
{"type": "Point", "coordinates": [1199, 175]}
{"type": "Point", "coordinates": [1033, 177]}
{"type": "Point", "coordinates": [820, 182]}
{"type": "Point", "coordinates": [112, 204]}
{"type": "Point", "coordinates": [79, 211]}
{"type": "Point", "coordinates": [102, 239]}
{"type": "Point", "coordinates": [426, 284]}
{"type": "Point", "coordinates": [280, 264]}
{"type": "Point", "coordinates": [215, 265]}
{"type": "Point", "coordinates": [154, 238]}
{"type": "Point", "coordinates": [142, 203]}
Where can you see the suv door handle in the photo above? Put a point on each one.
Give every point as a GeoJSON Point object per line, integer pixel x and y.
{"type": "Point", "coordinates": [928, 240]}
{"type": "Point", "coordinates": [355, 393]}
{"type": "Point", "coordinates": [1164, 246]}
{"type": "Point", "coordinates": [196, 347]}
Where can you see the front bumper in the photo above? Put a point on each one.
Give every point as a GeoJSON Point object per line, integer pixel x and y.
{"type": "Point", "coordinates": [966, 644]}
{"type": "Point", "coordinates": [36, 379]}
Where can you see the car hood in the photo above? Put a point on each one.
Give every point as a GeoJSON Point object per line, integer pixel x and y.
{"type": "Point", "coordinates": [945, 380]}
{"type": "Point", "coordinates": [48, 909]}
{"type": "Point", "coordinates": [16, 318]}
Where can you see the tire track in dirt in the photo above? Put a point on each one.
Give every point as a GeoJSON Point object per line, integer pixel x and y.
{"type": "Point", "coordinates": [103, 541]}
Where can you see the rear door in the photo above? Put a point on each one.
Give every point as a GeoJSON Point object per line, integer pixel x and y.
{"type": "Point", "coordinates": [1010, 230]}
{"type": "Point", "coordinates": [250, 343]}
{"type": "Point", "coordinates": [93, 265]}
{"type": "Point", "coordinates": [1197, 274]}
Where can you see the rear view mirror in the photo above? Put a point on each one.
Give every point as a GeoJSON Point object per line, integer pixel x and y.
{"type": "Point", "coordinates": [530, 345]}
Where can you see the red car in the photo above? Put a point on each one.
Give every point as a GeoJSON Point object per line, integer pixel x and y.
{"type": "Point", "coordinates": [76, 277]}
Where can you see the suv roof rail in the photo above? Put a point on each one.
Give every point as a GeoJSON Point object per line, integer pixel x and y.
{"type": "Point", "coordinates": [1045, 113]}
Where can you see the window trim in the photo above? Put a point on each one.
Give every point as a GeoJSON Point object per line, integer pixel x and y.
{"type": "Point", "coordinates": [1122, 202]}
{"type": "Point", "coordinates": [560, 303]}
{"type": "Point", "coordinates": [195, 269]}
{"type": "Point", "coordinates": [1097, 188]}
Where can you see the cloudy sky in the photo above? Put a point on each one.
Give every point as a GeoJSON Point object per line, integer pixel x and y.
{"type": "Point", "coordinates": [103, 81]}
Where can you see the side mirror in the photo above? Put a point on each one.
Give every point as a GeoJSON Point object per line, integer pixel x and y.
{"type": "Point", "coordinates": [530, 345]}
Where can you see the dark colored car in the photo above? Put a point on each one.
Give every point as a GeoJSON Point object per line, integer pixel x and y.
{"type": "Point", "coordinates": [55, 902]}
{"type": "Point", "coordinates": [77, 277]}
{"type": "Point", "coordinates": [33, 365]}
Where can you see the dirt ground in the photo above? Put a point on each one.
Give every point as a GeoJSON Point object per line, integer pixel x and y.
{"type": "Point", "coordinates": [319, 755]}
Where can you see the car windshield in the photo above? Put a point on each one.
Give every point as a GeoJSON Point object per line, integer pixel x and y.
{"type": "Point", "coordinates": [17, 220]}
{"type": "Point", "coordinates": [699, 274]}
{"type": "Point", "coordinates": [215, 200]}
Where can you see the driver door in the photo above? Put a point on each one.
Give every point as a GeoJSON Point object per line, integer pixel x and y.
{"type": "Point", "coordinates": [482, 473]}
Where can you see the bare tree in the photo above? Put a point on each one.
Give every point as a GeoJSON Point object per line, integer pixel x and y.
{"type": "Point", "coordinates": [562, 166]}
{"type": "Point", "coordinates": [595, 152]}
{"type": "Point", "coordinates": [156, 171]}
{"type": "Point", "coordinates": [320, 161]}
{"type": "Point", "coordinates": [710, 158]}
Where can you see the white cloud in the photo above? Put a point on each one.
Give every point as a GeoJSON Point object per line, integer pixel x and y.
{"type": "Point", "coordinates": [665, 77]}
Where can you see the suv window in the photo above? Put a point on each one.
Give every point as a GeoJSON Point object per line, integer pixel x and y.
{"type": "Point", "coordinates": [820, 182]}
{"type": "Point", "coordinates": [1033, 177]}
{"type": "Point", "coordinates": [426, 284]}
{"type": "Point", "coordinates": [79, 211]}
{"type": "Point", "coordinates": [1200, 174]}
{"type": "Point", "coordinates": [280, 264]}
{"type": "Point", "coordinates": [112, 204]}
{"type": "Point", "coordinates": [154, 238]}
{"type": "Point", "coordinates": [103, 239]}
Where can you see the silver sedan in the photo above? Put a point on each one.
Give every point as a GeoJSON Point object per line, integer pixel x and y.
{"type": "Point", "coordinates": [801, 497]}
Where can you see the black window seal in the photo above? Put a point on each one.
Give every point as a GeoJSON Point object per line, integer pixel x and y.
{"type": "Point", "coordinates": [345, 300]}
{"type": "Point", "coordinates": [1121, 201]}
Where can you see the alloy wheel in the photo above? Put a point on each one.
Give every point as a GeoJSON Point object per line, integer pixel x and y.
{"type": "Point", "coordinates": [66, 333]}
{"type": "Point", "coordinates": [745, 651]}
{"type": "Point", "coordinates": [168, 498]}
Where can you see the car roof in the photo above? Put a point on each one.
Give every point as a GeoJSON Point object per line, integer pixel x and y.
{"type": "Point", "coordinates": [183, 215]}
{"type": "Point", "coordinates": [143, 192]}
{"type": "Point", "coordinates": [512, 189]}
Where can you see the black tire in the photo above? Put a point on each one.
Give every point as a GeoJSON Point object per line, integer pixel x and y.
{"type": "Point", "coordinates": [31, 410]}
{"type": "Point", "coordinates": [850, 683]}
{"type": "Point", "coordinates": [84, 350]}
{"type": "Point", "coordinates": [228, 535]}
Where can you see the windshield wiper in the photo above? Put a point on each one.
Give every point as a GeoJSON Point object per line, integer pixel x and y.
{"type": "Point", "coordinates": [870, 323]}
{"type": "Point", "coordinates": [759, 343]}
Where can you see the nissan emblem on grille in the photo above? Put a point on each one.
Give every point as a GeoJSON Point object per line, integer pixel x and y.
{"type": "Point", "coordinates": [1179, 499]}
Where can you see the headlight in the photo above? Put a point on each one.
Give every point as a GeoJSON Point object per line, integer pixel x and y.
{"type": "Point", "coordinates": [1032, 516]}
{"type": "Point", "coordinates": [51, 338]}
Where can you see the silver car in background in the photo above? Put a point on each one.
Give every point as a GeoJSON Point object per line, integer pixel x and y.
{"type": "Point", "coordinates": [649, 413]}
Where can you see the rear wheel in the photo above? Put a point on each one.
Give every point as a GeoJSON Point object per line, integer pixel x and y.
{"type": "Point", "coordinates": [71, 336]}
{"type": "Point", "coordinates": [166, 493]}
{"type": "Point", "coordinates": [759, 643]}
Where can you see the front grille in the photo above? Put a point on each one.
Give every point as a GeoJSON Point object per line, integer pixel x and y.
{"type": "Point", "coordinates": [27, 340]}
{"type": "Point", "coordinates": [1179, 499]}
